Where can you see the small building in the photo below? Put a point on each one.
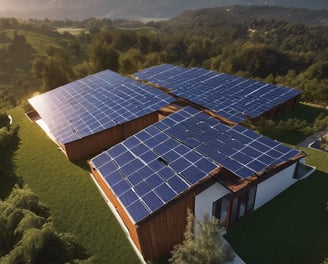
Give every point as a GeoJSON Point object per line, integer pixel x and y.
{"type": "Point", "coordinates": [190, 160]}
{"type": "Point", "coordinates": [232, 97]}
{"type": "Point", "coordinates": [89, 115]}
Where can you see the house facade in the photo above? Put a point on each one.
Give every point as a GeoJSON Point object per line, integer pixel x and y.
{"type": "Point", "coordinates": [153, 177]}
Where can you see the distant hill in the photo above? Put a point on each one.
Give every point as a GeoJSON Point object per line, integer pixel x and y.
{"type": "Point", "coordinates": [81, 9]}
{"type": "Point", "coordinates": [214, 17]}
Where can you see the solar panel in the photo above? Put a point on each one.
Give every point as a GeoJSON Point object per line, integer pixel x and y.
{"type": "Point", "coordinates": [152, 201]}
{"type": "Point", "coordinates": [165, 192]}
{"type": "Point", "coordinates": [233, 97]}
{"type": "Point", "coordinates": [128, 198]}
{"type": "Point", "coordinates": [95, 103]}
{"type": "Point", "coordinates": [155, 165]}
{"type": "Point", "coordinates": [137, 210]}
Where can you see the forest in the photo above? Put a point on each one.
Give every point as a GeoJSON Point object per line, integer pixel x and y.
{"type": "Point", "coordinates": [275, 51]}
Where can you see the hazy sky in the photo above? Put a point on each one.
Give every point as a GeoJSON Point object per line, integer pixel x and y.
{"type": "Point", "coordinates": [81, 9]}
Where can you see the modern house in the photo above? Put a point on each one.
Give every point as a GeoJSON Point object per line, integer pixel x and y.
{"type": "Point", "coordinates": [190, 160]}
{"type": "Point", "coordinates": [234, 98]}
{"type": "Point", "coordinates": [87, 116]}
{"type": "Point", "coordinates": [170, 140]}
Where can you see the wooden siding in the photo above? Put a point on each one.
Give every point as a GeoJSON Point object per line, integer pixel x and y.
{"type": "Point", "coordinates": [160, 234]}
{"type": "Point", "coordinates": [156, 235]}
{"type": "Point", "coordinates": [94, 144]}
{"type": "Point", "coordinates": [134, 126]}
{"type": "Point", "coordinates": [33, 115]}
{"type": "Point", "coordinates": [164, 229]}
{"type": "Point", "coordinates": [280, 109]}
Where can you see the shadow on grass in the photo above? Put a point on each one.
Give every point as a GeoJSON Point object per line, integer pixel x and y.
{"type": "Point", "coordinates": [82, 164]}
{"type": "Point", "coordinates": [7, 174]}
{"type": "Point", "coordinates": [304, 112]}
{"type": "Point", "coordinates": [292, 228]}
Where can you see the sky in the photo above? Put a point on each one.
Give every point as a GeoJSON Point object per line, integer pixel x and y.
{"type": "Point", "coordinates": [76, 9]}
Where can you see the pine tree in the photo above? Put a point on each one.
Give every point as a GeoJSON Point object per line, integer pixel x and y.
{"type": "Point", "coordinates": [202, 243]}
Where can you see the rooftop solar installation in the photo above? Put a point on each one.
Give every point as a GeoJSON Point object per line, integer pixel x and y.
{"type": "Point", "coordinates": [154, 166]}
{"type": "Point", "coordinates": [95, 103]}
{"type": "Point", "coordinates": [234, 98]}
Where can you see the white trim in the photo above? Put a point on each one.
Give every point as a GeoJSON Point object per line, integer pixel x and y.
{"type": "Point", "coordinates": [204, 200]}
{"type": "Point", "coordinates": [10, 120]}
{"type": "Point", "coordinates": [118, 218]}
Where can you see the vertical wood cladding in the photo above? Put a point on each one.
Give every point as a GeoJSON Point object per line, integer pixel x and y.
{"type": "Point", "coordinates": [94, 144]}
{"type": "Point", "coordinates": [156, 236]}
{"type": "Point", "coordinates": [164, 230]}
{"type": "Point", "coordinates": [280, 109]}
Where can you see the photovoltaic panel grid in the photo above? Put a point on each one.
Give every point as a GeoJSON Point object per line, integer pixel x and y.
{"type": "Point", "coordinates": [154, 166]}
{"type": "Point", "coordinates": [95, 103]}
{"type": "Point", "coordinates": [234, 98]}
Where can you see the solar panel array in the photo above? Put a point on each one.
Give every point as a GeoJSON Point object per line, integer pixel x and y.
{"type": "Point", "coordinates": [234, 98]}
{"type": "Point", "coordinates": [96, 103]}
{"type": "Point", "coordinates": [154, 166]}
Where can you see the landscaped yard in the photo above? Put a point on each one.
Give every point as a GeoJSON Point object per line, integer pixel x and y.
{"type": "Point", "coordinates": [292, 228]}
{"type": "Point", "coordinates": [75, 203]}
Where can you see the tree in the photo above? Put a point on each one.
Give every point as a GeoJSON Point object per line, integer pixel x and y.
{"type": "Point", "coordinates": [202, 243]}
{"type": "Point", "coordinates": [102, 56]}
{"type": "Point", "coordinates": [130, 61]}
{"type": "Point", "coordinates": [54, 71]}
{"type": "Point", "coordinates": [260, 61]}
{"type": "Point", "coordinates": [27, 234]}
{"type": "Point", "coordinates": [8, 143]}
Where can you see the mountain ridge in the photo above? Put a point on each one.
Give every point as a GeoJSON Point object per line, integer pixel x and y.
{"type": "Point", "coordinates": [132, 9]}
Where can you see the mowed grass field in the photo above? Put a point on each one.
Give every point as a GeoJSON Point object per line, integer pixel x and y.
{"type": "Point", "coordinates": [18, 64]}
{"type": "Point", "coordinates": [75, 204]}
{"type": "Point", "coordinates": [292, 228]}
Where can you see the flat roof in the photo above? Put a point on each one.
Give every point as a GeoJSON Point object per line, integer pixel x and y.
{"type": "Point", "coordinates": [156, 165]}
{"type": "Point", "coordinates": [232, 97]}
{"type": "Point", "coordinates": [96, 103]}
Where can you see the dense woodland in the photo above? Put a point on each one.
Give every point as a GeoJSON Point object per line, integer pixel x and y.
{"type": "Point", "coordinates": [275, 51]}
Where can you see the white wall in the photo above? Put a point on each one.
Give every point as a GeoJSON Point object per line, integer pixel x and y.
{"type": "Point", "coordinates": [274, 185]}
{"type": "Point", "coordinates": [204, 200]}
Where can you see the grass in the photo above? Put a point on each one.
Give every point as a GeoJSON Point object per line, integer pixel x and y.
{"type": "Point", "coordinates": [72, 30]}
{"type": "Point", "coordinates": [39, 39]}
{"type": "Point", "coordinates": [303, 112]}
{"type": "Point", "coordinates": [75, 203]}
{"type": "Point", "coordinates": [18, 65]}
{"type": "Point", "coordinates": [293, 227]}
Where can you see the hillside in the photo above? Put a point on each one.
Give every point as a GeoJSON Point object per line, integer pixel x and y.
{"type": "Point", "coordinates": [20, 45]}
{"type": "Point", "coordinates": [216, 17]}
{"type": "Point", "coordinates": [74, 9]}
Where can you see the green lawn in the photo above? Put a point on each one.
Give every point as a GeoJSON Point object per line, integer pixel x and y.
{"type": "Point", "coordinates": [302, 112]}
{"type": "Point", "coordinates": [72, 30]}
{"type": "Point", "coordinates": [292, 228]}
{"type": "Point", "coordinates": [75, 204]}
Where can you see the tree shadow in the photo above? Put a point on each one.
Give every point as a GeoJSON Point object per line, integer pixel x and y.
{"type": "Point", "coordinates": [8, 176]}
